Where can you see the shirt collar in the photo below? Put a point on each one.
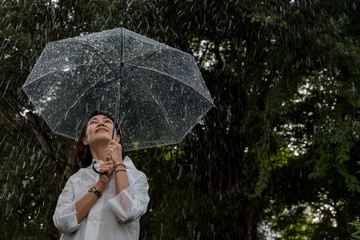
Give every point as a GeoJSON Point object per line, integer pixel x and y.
{"type": "Point", "coordinates": [97, 161]}
{"type": "Point", "coordinates": [127, 161]}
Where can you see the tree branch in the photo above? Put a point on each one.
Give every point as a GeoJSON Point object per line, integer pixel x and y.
{"type": "Point", "coordinates": [42, 138]}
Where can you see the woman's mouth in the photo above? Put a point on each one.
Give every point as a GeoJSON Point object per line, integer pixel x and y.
{"type": "Point", "coordinates": [101, 129]}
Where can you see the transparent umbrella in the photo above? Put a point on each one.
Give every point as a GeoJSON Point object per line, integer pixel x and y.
{"type": "Point", "coordinates": [155, 92]}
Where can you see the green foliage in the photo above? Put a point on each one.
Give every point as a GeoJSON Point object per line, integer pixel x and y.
{"type": "Point", "coordinates": [356, 235]}
{"type": "Point", "coordinates": [282, 142]}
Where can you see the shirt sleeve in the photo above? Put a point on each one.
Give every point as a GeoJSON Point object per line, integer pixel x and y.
{"type": "Point", "coordinates": [131, 202]}
{"type": "Point", "coordinates": [65, 213]}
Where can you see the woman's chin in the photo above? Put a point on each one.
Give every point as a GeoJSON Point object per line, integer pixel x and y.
{"type": "Point", "coordinates": [102, 139]}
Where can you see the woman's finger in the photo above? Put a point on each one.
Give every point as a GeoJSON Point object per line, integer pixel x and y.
{"type": "Point", "coordinates": [114, 144]}
{"type": "Point", "coordinates": [106, 164]}
{"type": "Point", "coordinates": [106, 169]}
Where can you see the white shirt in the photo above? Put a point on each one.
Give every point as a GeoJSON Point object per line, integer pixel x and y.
{"type": "Point", "coordinates": [112, 216]}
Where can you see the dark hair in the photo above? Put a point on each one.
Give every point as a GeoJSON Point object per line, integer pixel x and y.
{"type": "Point", "coordinates": [83, 152]}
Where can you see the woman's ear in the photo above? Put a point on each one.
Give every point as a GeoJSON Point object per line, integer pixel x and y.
{"type": "Point", "coordinates": [117, 138]}
{"type": "Point", "coordinates": [85, 141]}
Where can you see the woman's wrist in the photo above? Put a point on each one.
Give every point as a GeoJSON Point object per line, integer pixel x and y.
{"type": "Point", "coordinates": [100, 186]}
{"type": "Point", "coordinates": [119, 165]}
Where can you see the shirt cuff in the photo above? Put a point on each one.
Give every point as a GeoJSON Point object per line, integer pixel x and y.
{"type": "Point", "coordinates": [65, 218]}
{"type": "Point", "coordinates": [125, 206]}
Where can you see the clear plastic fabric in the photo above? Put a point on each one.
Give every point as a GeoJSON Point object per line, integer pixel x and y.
{"type": "Point", "coordinates": [162, 95]}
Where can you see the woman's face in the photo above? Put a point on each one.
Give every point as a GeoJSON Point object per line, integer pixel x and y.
{"type": "Point", "coordinates": [99, 129]}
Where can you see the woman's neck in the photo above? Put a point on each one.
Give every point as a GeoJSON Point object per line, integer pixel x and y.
{"type": "Point", "coordinates": [98, 152]}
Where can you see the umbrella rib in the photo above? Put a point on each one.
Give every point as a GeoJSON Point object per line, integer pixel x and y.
{"type": "Point", "coordinates": [39, 78]}
{"type": "Point", "coordinates": [133, 66]}
{"type": "Point", "coordinates": [99, 49]}
{"type": "Point", "coordinates": [57, 125]}
{"type": "Point", "coordinates": [157, 101]}
{"type": "Point", "coordinates": [137, 85]}
{"type": "Point", "coordinates": [94, 48]}
{"type": "Point", "coordinates": [151, 53]}
{"type": "Point", "coordinates": [170, 76]}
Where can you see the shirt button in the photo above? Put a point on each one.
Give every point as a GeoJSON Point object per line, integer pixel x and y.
{"type": "Point", "coordinates": [94, 222]}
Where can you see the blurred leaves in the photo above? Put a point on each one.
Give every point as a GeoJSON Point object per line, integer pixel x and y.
{"type": "Point", "coordinates": [356, 235]}
{"type": "Point", "coordinates": [282, 142]}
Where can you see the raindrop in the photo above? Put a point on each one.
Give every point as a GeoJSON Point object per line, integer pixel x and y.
{"type": "Point", "coordinates": [39, 154]}
{"type": "Point", "coordinates": [2, 140]}
{"type": "Point", "coordinates": [42, 162]}
{"type": "Point", "coordinates": [8, 209]}
{"type": "Point", "coordinates": [20, 199]}
{"type": "Point", "coordinates": [198, 235]}
{"type": "Point", "coordinates": [52, 180]}
{"type": "Point", "coordinates": [7, 85]}
{"type": "Point", "coordinates": [4, 191]}
{"type": "Point", "coordinates": [180, 172]}
{"type": "Point", "coordinates": [169, 177]}
{"type": "Point", "coordinates": [13, 148]}
{"type": "Point", "coordinates": [161, 230]}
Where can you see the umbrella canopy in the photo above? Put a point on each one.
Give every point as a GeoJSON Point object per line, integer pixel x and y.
{"type": "Point", "coordinates": [155, 92]}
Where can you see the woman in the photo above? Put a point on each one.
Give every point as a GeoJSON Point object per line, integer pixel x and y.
{"type": "Point", "coordinates": [109, 206]}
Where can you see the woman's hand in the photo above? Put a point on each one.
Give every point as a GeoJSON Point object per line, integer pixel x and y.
{"type": "Point", "coordinates": [113, 152]}
{"type": "Point", "coordinates": [107, 167]}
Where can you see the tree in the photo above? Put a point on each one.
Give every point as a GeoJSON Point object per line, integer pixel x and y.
{"type": "Point", "coordinates": [280, 148]}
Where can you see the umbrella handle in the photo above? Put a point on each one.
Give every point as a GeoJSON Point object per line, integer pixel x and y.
{"type": "Point", "coordinates": [101, 173]}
